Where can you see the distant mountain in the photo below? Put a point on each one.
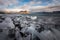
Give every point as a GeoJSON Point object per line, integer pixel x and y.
{"type": "Point", "coordinates": [54, 13]}
{"type": "Point", "coordinates": [24, 12]}
{"type": "Point", "coordinates": [2, 12]}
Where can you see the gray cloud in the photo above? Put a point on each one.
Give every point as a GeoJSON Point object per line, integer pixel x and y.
{"type": "Point", "coordinates": [6, 3]}
{"type": "Point", "coordinates": [54, 3]}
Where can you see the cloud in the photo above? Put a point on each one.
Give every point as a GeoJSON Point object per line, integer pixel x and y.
{"type": "Point", "coordinates": [29, 5]}
{"type": "Point", "coordinates": [7, 3]}
{"type": "Point", "coordinates": [32, 5]}
{"type": "Point", "coordinates": [45, 9]}
{"type": "Point", "coordinates": [52, 6]}
{"type": "Point", "coordinates": [54, 3]}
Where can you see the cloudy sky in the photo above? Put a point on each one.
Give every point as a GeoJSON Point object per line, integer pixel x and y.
{"type": "Point", "coordinates": [32, 5]}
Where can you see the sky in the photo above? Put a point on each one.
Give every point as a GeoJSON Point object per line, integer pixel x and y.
{"type": "Point", "coordinates": [32, 5]}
